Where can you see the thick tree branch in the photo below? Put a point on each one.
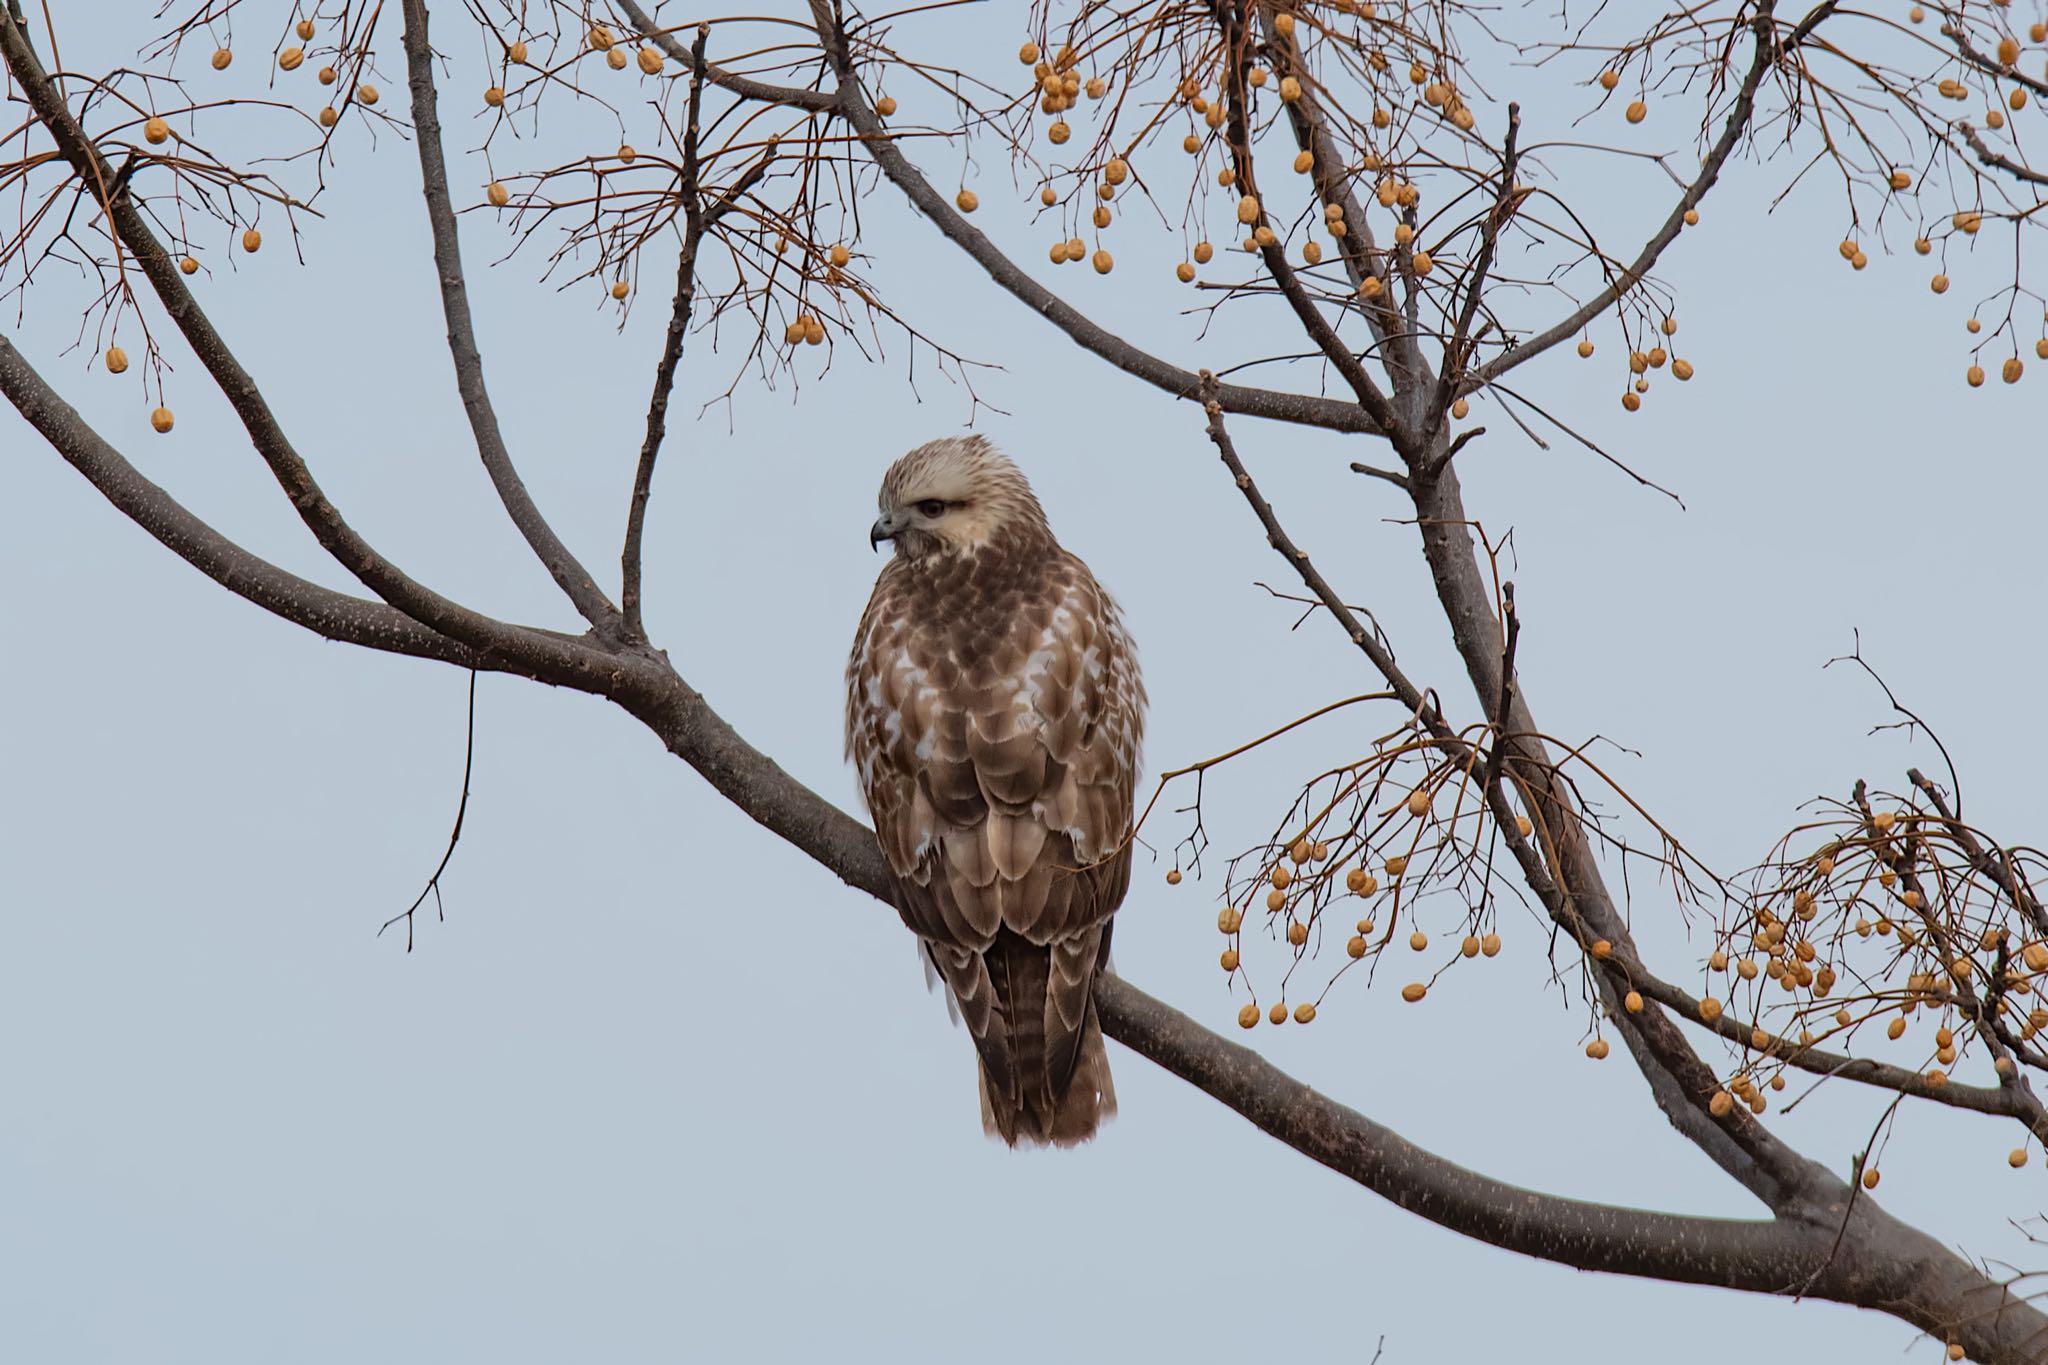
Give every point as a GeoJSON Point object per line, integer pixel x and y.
{"type": "Point", "coordinates": [325, 612]}
{"type": "Point", "coordinates": [569, 573]}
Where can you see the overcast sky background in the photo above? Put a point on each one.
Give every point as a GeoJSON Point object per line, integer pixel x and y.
{"type": "Point", "coordinates": [662, 1089]}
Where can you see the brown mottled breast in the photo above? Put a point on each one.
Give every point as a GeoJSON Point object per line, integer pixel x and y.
{"type": "Point", "coordinates": [994, 713]}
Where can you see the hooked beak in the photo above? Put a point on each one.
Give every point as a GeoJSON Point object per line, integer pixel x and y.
{"type": "Point", "coordinates": [885, 528]}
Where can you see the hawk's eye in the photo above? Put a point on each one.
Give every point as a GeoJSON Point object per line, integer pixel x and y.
{"type": "Point", "coordinates": [932, 507]}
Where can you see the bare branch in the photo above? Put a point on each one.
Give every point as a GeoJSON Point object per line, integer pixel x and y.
{"type": "Point", "coordinates": [574, 580]}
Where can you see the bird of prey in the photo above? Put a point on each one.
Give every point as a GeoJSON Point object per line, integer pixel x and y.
{"type": "Point", "coordinates": [994, 713]}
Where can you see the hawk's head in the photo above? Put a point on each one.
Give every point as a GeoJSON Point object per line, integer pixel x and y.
{"type": "Point", "coordinates": [954, 494]}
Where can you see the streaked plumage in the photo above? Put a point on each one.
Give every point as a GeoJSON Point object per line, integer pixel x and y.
{"type": "Point", "coordinates": [994, 713]}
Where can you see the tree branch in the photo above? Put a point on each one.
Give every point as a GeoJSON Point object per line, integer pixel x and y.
{"type": "Point", "coordinates": [325, 612]}
{"type": "Point", "coordinates": [1737, 123]}
{"type": "Point", "coordinates": [760, 92]}
{"type": "Point", "coordinates": [850, 104]}
{"type": "Point", "coordinates": [567, 571]}
{"type": "Point", "coordinates": [671, 348]}
{"type": "Point", "coordinates": [320, 516]}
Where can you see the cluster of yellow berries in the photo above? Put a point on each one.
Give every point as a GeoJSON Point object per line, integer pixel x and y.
{"type": "Point", "coordinates": [1641, 362]}
{"type": "Point", "coordinates": [1293, 876]}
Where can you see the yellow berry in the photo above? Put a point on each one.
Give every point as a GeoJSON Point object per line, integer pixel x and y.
{"type": "Point", "coordinates": [1585, 350]}
{"type": "Point", "coordinates": [1710, 1009]}
{"type": "Point", "coordinates": [968, 201]}
{"type": "Point", "coordinates": [600, 38]}
{"type": "Point", "coordinates": [1173, 877]}
{"type": "Point", "coordinates": [1490, 944]}
{"type": "Point", "coordinates": [1470, 947]}
{"type": "Point", "coordinates": [1278, 1014]}
{"type": "Point", "coordinates": [1248, 1017]}
{"type": "Point", "coordinates": [1297, 933]}
{"type": "Point", "coordinates": [1637, 111]}
{"type": "Point", "coordinates": [1597, 1049]}
{"type": "Point", "coordinates": [1414, 991]}
{"type": "Point", "coordinates": [1304, 1013]}
{"type": "Point", "coordinates": [1721, 1104]}
{"type": "Point", "coordinates": [329, 116]}
{"type": "Point", "coordinates": [1397, 864]}
{"type": "Point", "coordinates": [650, 60]}
{"type": "Point", "coordinates": [516, 54]}
{"type": "Point", "coordinates": [1692, 217]}
{"type": "Point", "coordinates": [1276, 901]}
{"type": "Point", "coordinates": [886, 105]}
{"type": "Point", "coordinates": [1975, 376]}
{"type": "Point", "coordinates": [1058, 133]}
{"type": "Point", "coordinates": [2016, 1158]}
{"type": "Point", "coordinates": [2011, 370]}
{"type": "Point", "coordinates": [252, 240]}
{"type": "Point", "coordinates": [1228, 961]}
{"type": "Point", "coordinates": [221, 58]}
{"type": "Point", "coordinates": [291, 58]}
{"type": "Point", "coordinates": [620, 289]}
{"type": "Point", "coordinates": [156, 131]}
{"type": "Point", "coordinates": [1028, 53]}
{"type": "Point", "coordinates": [814, 332]}
{"type": "Point", "coordinates": [1901, 180]}
{"type": "Point", "coordinates": [1633, 1002]}
{"type": "Point", "coordinates": [1203, 252]}
{"type": "Point", "coordinates": [1609, 79]}
{"type": "Point", "coordinates": [1418, 802]}
{"type": "Point", "coordinates": [1939, 284]}
{"type": "Point", "coordinates": [615, 59]}
{"type": "Point", "coordinates": [1096, 87]}
{"type": "Point", "coordinates": [1355, 946]}
{"type": "Point", "coordinates": [117, 360]}
{"type": "Point", "coordinates": [497, 194]}
{"type": "Point", "coordinates": [1460, 409]}
{"type": "Point", "coordinates": [305, 30]}
{"type": "Point", "coordinates": [1290, 89]}
{"type": "Point", "coordinates": [1870, 1177]}
{"type": "Point", "coordinates": [1228, 919]}
{"type": "Point", "coordinates": [1418, 940]}
{"type": "Point", "coordinates": [189, 265]}
{"type": "Point", "coordinates": [1184, 272]}
{"type": "Point", "coordinates": [1422, 262]}
{"type": "Point", "coordinates": [328, 75]}
{"type": "Point", "coordinates": [1602, 949]}
{"type": "Point", "coordinates": [161, 419]}
{"type": "Point", "coordinates": [1681, 369]}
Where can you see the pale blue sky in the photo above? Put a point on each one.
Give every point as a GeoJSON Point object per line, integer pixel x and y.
{"type": "Point", "coordinates": [660, 1089]}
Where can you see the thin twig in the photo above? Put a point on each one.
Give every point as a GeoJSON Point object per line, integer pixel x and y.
{"type": "Point", "coordinates": [433, 885]}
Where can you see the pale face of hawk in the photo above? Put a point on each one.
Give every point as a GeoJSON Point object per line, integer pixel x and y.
{"type": "Point", "coordinates": [952, 495]}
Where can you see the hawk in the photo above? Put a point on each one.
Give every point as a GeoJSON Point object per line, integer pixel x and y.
{"type": "Point", "coordinates": [994, 711]}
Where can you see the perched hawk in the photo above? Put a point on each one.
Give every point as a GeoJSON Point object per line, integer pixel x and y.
{"type": "Point", "coordinates": [994, 710]}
